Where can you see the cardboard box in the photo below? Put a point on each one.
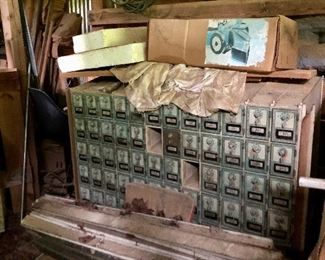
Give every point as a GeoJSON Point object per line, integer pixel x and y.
{"type": "Point", "coordinates": [254, 44]}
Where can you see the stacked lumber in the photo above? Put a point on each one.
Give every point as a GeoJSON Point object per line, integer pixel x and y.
{"type": "Point", "coordinates": [106, 48]}
{"type": "Point", "coordinates": [52, 31]}
{"type": "Point", "coordinates": [43, 18]}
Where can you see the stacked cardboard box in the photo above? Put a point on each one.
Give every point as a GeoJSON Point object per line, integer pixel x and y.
{"type": "Point", "coordinates": [241, 170]}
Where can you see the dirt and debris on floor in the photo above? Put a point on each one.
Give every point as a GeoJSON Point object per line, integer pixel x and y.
{"type": "Point", "coordinates": [16, 242]}
{"type": "Point", "coordinates": [86, 239]}
{"type": "Point", "coordinates": [140, 206]}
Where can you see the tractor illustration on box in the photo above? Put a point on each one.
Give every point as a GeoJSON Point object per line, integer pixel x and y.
{"type": "Point", "coordinates": [232, 37]}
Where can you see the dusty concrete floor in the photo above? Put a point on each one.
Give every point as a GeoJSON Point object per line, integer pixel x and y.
{"type": "Point", "coordinates": [16, 242]}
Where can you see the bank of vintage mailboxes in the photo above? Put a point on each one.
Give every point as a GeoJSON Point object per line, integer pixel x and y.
{"type": "Point", "coordinates": [241, 169]}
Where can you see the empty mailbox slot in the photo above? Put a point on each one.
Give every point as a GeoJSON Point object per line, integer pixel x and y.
{"type": "Point", "coordinates": [190, 175]}
{"type": "Point", "coordinates": [154, 140]}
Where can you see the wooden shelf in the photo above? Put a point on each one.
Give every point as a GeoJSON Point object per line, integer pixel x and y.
{"type": "Point", "coordinates": [282, 74]}
{"type": "Point", "coordinates": [208, 9]}
{"type": "Point", "coordinates": [87, 73]}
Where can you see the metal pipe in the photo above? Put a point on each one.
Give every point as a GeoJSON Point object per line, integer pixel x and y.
{"type": "Point", "coordinates": [25, 147]}
{"type": "Point", "coordinates": [312, 183]}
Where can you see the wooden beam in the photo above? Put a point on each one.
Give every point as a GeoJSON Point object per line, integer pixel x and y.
{"type": "Point", "coordinates": [2, 210]}
{"type": "Point", "coordinates": [210, 9]}
{"type": "Point", "coordinates": [11, 122]}
{"type": "Point", "coordinates": [14, 40]}
{"type": "Point", "coordinates": [109, 38]}
{"type": "Point", "coordinates": [281, 74]}
{"type": "Point", "coordinates": [29, 11]}
{"type": "Point", "coordinates": [13, 99]}
{"type": "Point", "coordinates": [35, 22]}
{"type": "Point", "coordinates": [105, 57]}
{"type": "Point", "coordinates": [87, 73]}
{"type": "Point", "coordinates": [97, 4]}
{"type": "Point", "coordinates": [193, 240]}
{"type": "Point", "coordinates": [286, 74]}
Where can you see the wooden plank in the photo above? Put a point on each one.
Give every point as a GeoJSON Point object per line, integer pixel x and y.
{"type": "Point", "coordinates": [319, 248]}
{"type": "Point", "coordinates": [44, 203]}
{"type": "Point", "coordinates": [73, 144]}
{"type": "Point", "coordinates": [35, 23]}
{"type": "Point", "coordinates": [11, 121]}
{"type": "Point", "coordinates": [9, 75]}
{"type": "Point", "coordinates": [197, 241]}
{"type": "Point", "coordinates": [304, 170]}
{"type": "Point", "coordinates": [97, 4]}
{"type": "Point", "coordinates": [16, 51]}
{"type": "Point", "coordinates": [108, 38]}
{"type": "Point", "coordinates": [44, 63]}
{"type": "Point", "coordinates": [29, 11]}
{"type": "Point", "coordinates": [13, 35]}
{"type": "Point", "coordinates": [286, 74]}
{"type": "Point", "coordinates": [87, 73]}
{"type": "Point", "coordinates": [2, 210]}
{"type": "Point", "coordinates": [110, 246]}
{"type": "Point", "coordinates": [125, 54]}
{"type": "Point", "coordinates": [210, 9]}
{"type": "Point", "coordinates": [15, 195]}
{"type": "Point", "coordinates": [3, 64]}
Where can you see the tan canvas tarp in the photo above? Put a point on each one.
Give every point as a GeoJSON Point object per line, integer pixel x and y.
{"type": "Point", "coordinates": [197, 91]}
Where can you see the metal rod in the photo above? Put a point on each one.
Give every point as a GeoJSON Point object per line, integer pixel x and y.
{"type": "Point", "coordinates": [25, 147]}
{"type": "Point", "coordinates": [312, 183]}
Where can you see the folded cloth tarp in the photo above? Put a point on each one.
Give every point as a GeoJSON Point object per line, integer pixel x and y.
{"type": "Point", "coordinates": [197, 91]}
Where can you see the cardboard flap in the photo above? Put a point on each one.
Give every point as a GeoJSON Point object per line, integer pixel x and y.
{"type": "Point", "coordinates": [162, 45]}
{"type": "Point", "coordinates": [287, 55]}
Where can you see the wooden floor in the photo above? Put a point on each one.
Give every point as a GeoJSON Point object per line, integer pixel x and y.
{"type": "Point", "coordinates": [16, 242]}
